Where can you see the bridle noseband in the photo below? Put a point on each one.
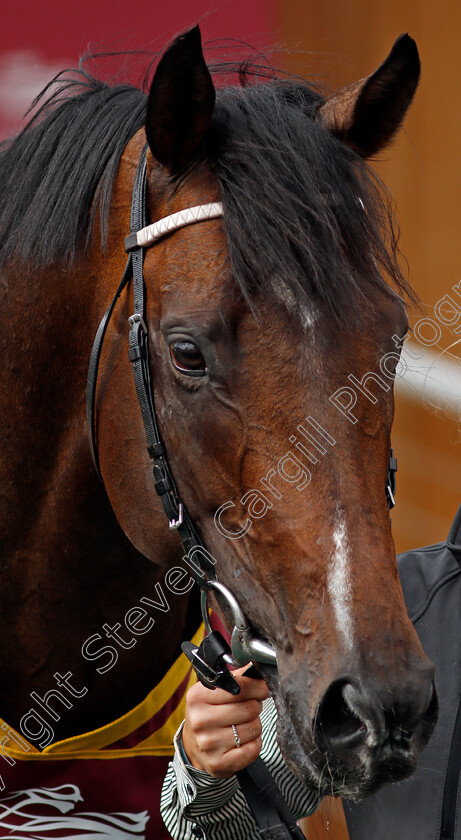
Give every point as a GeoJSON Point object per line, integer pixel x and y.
{"type": "Point", "coordinates": [246, 647]}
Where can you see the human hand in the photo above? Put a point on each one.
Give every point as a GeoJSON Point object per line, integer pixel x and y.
{"type": "Point", "coordinates": [207, 734]}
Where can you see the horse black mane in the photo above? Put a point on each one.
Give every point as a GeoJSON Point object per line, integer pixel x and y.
{"type": "Point", "coordinates": [304, 215]}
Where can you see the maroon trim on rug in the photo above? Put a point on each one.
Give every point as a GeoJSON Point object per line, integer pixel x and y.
{"type": "Point", "coordinates": [154, 723]}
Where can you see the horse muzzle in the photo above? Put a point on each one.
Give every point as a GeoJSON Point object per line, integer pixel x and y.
{"type": "Point", "coordinates": [361, 734]}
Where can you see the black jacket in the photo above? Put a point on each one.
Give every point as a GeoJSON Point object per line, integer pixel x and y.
{"type": "Point", "coordinates": [427, 806]}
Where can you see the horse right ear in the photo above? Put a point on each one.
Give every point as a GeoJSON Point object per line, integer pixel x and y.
{"type": "Point", "coordinates": [367, 114]}
{"type": "Point", "coordinates": [180, 103]}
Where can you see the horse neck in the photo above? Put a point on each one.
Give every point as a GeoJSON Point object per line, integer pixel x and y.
{"type": "Point", "coordinates": [64, 554]}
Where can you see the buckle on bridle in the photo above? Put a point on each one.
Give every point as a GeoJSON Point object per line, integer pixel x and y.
{"type": "Point", "coordinates": [390, 497]}
{"type": "Point", "coordinates": [175, 523]}
{"type": "Point", "coordinates": [137, 318]}
{"type": "Point", "coordinates": [210, 661]}
{"type": "Point", "coordinates": [391, 482]}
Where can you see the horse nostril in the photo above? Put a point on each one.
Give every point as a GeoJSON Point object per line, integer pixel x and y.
{"type": "Point", "coordinates": [347, 716]}
{"type": "Point", "coordinates": [337, 726]}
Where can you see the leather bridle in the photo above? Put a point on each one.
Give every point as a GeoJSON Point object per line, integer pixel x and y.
{"type": "Point", "coordinates": [246, 647]}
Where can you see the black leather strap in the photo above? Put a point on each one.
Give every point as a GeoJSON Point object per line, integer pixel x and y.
{"type": "Point", "coordinates": [391, 481]}
{"type": "Point", "coordinates": [265, 800]}
{"type": "Point", "coordinates": [208, 662]}
{"type": "Point", "coordinates": [94, 366]}
{"type": "Point", "coordinates": [137, 216]}
{"type": "Point", "coordinates": [139, 357]}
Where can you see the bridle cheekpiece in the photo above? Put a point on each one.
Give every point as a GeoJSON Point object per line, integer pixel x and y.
{"type": "Point", "coordinates": [245, 646]}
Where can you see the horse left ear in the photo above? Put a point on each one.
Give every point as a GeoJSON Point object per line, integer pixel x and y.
{"type": "Point", "coordinates": [367, 114]}
{"type": "Point", "coordinates": [180, 103]}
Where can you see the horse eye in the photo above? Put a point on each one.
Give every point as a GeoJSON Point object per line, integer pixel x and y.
{"type": "Point", "coordinates": [187, 357]}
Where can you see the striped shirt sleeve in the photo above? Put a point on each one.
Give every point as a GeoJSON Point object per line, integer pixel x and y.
{"type": "Point", "coordinates": [196, 805]}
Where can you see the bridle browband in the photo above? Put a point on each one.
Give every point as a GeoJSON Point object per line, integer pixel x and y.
{"type": "Point", "coordinates": [147, 236]}
{"type": "Point", "coordinates": [246, 647]}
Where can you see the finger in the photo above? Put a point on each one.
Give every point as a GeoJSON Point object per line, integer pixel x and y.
{"type": "Point", "coordinates": [245, 733]}
{"type": "Point", "coordinates": [250, 672]}
{"type": "Point", "coordinates": [253, 672]}
{"type": "Point", "coordinates": [218, 742]}
{"type": "Point", "coordinates": [240, 672]}
{"type": "Point", "coordinates": [249, 688]}
{"type": "Point", "coordinates": [206, 717]}
{"type": "Point", "coordinates": [236, 759]}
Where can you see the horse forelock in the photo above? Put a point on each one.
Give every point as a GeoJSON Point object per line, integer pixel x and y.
{"type": "Point", "coordinates": [305, 219]}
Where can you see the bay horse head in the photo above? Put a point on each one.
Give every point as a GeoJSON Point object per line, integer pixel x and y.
{"type": "Point", "coordinates": [273, 339]}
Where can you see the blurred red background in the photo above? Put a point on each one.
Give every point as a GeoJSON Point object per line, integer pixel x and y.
{"type": "Point", "coordinates": [39, 39]}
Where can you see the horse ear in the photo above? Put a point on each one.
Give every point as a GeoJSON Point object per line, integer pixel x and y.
{"type": "Point", "coordinates": [180, 103]}
{"type": "Point", "coordinates": [367, 114]}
